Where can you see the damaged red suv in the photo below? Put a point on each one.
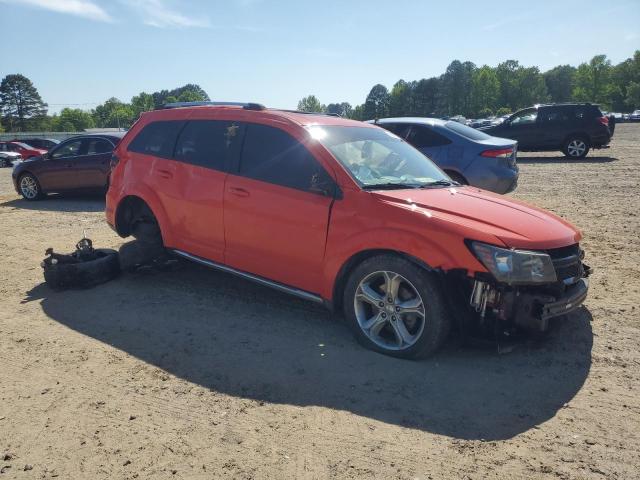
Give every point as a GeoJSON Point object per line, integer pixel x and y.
{"type": "Point", "coordinates": [345, 214]}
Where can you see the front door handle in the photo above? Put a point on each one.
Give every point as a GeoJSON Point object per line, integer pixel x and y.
{"type": "Point", "coordinates": [165, 173]}
{"type": "Point", "coordinates": [240, 192]}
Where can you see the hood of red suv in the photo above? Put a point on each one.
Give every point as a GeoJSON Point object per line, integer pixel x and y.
{"type": "Point", "coordinates": [481, 214]}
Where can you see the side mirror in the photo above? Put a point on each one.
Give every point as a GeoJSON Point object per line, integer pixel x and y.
{"type": "Point", "coordinates": [321, 185]}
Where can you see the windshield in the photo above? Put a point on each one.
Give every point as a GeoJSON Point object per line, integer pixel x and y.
{"type": "Point", "coordinates": [470, 133]}
{"type": "Point", "coordinates": [376, 157]}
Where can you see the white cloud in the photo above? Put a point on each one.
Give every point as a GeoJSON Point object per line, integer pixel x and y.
{"type": "Point", "coordinates": [157, 14]}
{"type": "Point", "coordinates": [80, 8]}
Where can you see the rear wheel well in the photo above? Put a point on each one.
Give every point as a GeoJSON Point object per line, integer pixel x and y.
{"type": "Point", "coordinates": [578, 134]}
{"type": "Point", "coordinates": [132, 210]}
{"type": "Point", "coordinates": [354, 261]}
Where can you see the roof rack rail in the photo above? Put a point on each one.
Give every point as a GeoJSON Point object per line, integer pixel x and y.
{"type": "Point", "coordinates": [310, 113]}
{"type": "Point", "coordinates": [245, 105]}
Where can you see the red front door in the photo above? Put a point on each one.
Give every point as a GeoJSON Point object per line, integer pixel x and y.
{"type": "Point", "coordinates": [275, 226]}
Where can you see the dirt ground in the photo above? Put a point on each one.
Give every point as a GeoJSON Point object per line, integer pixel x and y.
{"type": "Point", "coordinates": [197, 374]}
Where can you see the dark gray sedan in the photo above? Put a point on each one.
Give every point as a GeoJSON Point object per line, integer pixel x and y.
{"type": "Point", "coordinates": [467, 155]}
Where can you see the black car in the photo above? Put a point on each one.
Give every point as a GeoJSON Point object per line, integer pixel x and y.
{"type": "Point", "coordinates": [573, 128]}
{"type": "Point", "coordinates": [79, 163]}
{"type": "Point", "coordinates": [43, 143]}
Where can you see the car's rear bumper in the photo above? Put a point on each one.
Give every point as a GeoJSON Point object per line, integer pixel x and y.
{"type": "Point", "coordinates": [495, 178]}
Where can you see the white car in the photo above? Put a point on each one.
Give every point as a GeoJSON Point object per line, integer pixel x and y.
{"type": "Point", "coordinates": [7, 159]}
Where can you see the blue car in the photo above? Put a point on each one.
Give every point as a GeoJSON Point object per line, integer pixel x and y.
{"type": "Point", "coordinates": [467, 155]}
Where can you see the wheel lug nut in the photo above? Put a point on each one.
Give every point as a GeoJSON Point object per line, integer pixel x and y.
{"type": "Point", "coordinates": [381, 304]}
{"type": "Point", "coordinates": [397, 309]}
{"type": "Point", "coordinates": [393, 318]}
{"type": "Point", "coordinates": [384, 315]}
{"type": "Point", "coordinates": [389, 299]}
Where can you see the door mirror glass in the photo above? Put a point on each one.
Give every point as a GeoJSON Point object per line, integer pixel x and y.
{"type": "Point", "coordinates": [322, 185]}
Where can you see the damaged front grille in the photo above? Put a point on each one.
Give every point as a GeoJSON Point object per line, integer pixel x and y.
{"type": "Point", "coordinates": [567, 262]}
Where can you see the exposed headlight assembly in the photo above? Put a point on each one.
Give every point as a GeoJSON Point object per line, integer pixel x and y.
{"type": "Point", "coordinates": [515, 267]}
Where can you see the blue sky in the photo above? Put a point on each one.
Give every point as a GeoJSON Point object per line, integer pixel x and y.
{"type": "Point", "coordinates": [275, 52]}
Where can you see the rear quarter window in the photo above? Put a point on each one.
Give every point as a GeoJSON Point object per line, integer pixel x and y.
{"type": "Point", "coordinates": [207, 143]}
{"type": "Point", "coordinates": [157, 138]}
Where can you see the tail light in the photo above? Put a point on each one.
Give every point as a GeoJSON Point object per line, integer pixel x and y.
{"type": "Point", "coordinates": [498, 153]}
{"type": "Point", "coordinates": [604, 121]}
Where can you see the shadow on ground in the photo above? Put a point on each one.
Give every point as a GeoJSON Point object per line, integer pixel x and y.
{"type": "Point", "coordinates": [562, 159]}
{"type": "Point", "coordinates": [61, 203]}
{"type": "Point", "coordinates": [242, 339]}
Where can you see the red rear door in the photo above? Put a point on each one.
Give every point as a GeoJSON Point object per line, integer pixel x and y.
{"type": "Point", "coordinates": [275, 216]}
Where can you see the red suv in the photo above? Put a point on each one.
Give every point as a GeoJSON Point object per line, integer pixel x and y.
{"type": "Point", "coordinates": [346, 214]}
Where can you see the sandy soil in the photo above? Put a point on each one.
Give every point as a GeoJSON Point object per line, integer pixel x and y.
{"type": "Point", "coordinates": [196, 374]}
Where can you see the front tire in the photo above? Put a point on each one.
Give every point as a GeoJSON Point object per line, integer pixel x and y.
{"type": "Point", "coordinates": [576, 147]}
{"type": "Point", "coordinates": [396, 308]}
{"type": "Point", "coordinates": [29, 187]}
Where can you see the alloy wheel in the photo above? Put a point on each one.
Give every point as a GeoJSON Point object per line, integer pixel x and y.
{"type": "Point", "coordinates": [389, 310]}
{"type": "Point", "coordinates": [29, 187]}
{"type": "Point", "coordinates": [576, 148]}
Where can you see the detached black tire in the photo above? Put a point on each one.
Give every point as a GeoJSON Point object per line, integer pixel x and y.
{"type": "Point", "coordinates": [395, 307]}
{"type": "Point", "coordinates": [135, 253]}
{"type": "Point", "coordinates": [87, 274]}
{"type": "Point", "coordinates": [576, 146]}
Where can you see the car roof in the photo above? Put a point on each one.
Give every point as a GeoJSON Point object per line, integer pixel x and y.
{"type": "Point", "coordinates": [420, 120]}
{"type": "Point", "coordinates": [294, 116]}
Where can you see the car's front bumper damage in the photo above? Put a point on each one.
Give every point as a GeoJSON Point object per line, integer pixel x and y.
{"type": "Point", "coordinates": [529, 307]}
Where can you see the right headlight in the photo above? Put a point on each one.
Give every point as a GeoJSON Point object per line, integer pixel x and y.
{"type": "Point", "coordinates": [515, 266]}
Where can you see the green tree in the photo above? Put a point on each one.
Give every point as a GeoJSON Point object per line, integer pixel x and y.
{"type": "Point", "coordinates": [377, 103]}
{"type": "Point", "coordinates": [187, 93]}
{"type": "Point", "coordinates": [343, 109]}
{"type": "Point", "coordinates": [592, 81]}
{"type": "Point", "coordinates": [400, 99]}
{"type": "Point", "coordinates": [143, 102]}
{"type": "Point", "coordinates": [507, 73]}
{"type": "Point", "coordinates": [311, 104]}
{"type": "Point", "coordinates": [113, 113]}
{"type": "Point", "coordinates": [503, 111]}
{"type": "Point", "coordinates": [457, 81]}
{"type": "Point", "coordinates": [485, 89]}
{"type": "Point", "coordinates": [633, 95]}
{"type": "Point", "coordinates": [72, 120]}
{"type": "Point", "coordinates": [560, 83]}
{"type": "Point", "coordinates": [425, 97]}
{"type": "Point", "coordinates": [531, 88]}
{"type": "Point", "coordinates": [357, 113]}
{"type": "Point", "coordinates": [20, 103]}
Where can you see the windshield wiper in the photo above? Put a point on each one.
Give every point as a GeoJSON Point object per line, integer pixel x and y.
{"type": "Point", "coordinates": [390, 186]}
{"type": "Point", "coordinates": [443, 183]}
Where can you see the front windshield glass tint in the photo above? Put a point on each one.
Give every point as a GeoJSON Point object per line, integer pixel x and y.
{"type": "Point", "coordinates": [375, 156]}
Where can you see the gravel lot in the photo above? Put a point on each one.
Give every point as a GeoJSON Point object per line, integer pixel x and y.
{"type": "Point", "coordinates": [197, 374]}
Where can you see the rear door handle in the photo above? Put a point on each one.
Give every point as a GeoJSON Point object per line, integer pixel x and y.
{"type": "Point", "coordinates": [165, 173]}
{"type": "Point", "coordinates": [240, 192]}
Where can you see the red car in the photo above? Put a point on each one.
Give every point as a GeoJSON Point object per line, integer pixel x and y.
{"type": "Point", "coordinates": [346, 214]}
{"type": "Point", "coordinates": [25, 151]}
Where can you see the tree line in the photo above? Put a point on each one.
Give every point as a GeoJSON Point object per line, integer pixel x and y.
{"type": "Point", "coordinates": [463, 89]}
{"type": "Point", "coordinates": [475, 92]}
{"type": "Point", "coordinates": [22, 109]}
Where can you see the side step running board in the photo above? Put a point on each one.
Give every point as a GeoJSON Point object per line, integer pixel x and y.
{"type": "Point", "coordinates": [263, 281]}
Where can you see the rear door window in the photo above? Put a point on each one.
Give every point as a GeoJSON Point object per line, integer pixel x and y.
{"type": "Point", "coordinates": [272, 155]}
{"type": "Point", "coordinates": [422, 136]}
{"type": "Point", "coordinates": [97, 146]}
{"type": "Point", "coordinates": [208, 143]}
{"type": "Point", "coordinates": [157, 138]}
{"type": "Point", "coordinates": [400, 129]}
